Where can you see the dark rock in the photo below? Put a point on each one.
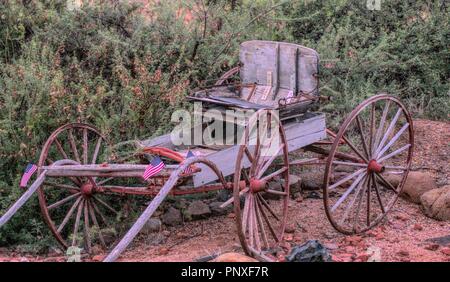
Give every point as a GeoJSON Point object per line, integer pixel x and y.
{"type": "Point", "coordinates": [311, 251]}
{"type": "Point", "coordinates": [313, 195]}
{"type": "Point", "coordinates": [217, 210]}
{"type": "Point", "coordinates": [223, 195]}
{"type": "Point", "coordinates": [295, 184]}
{"type": "Point", "coordinates": [152, 225]}
{"type": "Point", "coordinates": [311, 181]}
{"type": "Point", "coordinates": [196, 210]}
{"type": "Point", "coordinates": [172, 217]}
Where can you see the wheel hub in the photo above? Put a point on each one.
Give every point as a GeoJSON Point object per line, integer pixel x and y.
{"type": "Point", "coordinates": [374, 166]}
{"type": "Point", "coordinates": [257, 185]}
{"type": "Point", "coordinates": [87, 189]}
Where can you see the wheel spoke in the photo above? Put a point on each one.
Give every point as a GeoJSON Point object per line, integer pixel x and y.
{"type": "Point", "coordinates": [97, 210]}
{"type": "Point", "coordinates": [348, 208]}
{"type": "Point", "coordinates": [353, 147]}
{"type": "Point", "coordinates": [261, 224]}
{"type": "Point", "coordinates": [266, 219]}
{"type": "Point", "coordinates": [377, 191]}
{"type": "Point", "coordinates": [349, 164]}
{"type": "Point", "coordinates": [275, 192]}
{"type": "Point", "coordinates": [359, 193]}
{"type": "Point", "coordinates": [77, 224]}
{"type": "Point", "coordinates": [87, 235]}
{"type": "Point", "coordinates": [250, 220]}
{"type": "Point", "coordinates": [393, 140]}
{"type": "Point", "coordinates": [381, 126]}
{"type": "Point", "coordinates": [396, 152]}
{"type": "Point", "coordinates": [388, 131]}
{"type": "Point", "coordinates": [245, 213]}
{"type": "Point", "coordinates": [255, 225]}
{"type": "Point", "coordinates": [347, 178]}
{"type": "Point", "coordinates": [105, 205]}
{"type": "Point", "coordinates": [363, 139]}
{"type": "Point", "coordinates": [386, 183]}
{"type": "Point", "coordinates": [85, 146]}
{"type": "Point", "coordinates": [269, 162]}
{"type": "Point", "coordinates": [272, 175]}
{"type": "Point", "coordinates": [63, 201]}
{"type": "Point", "coordinates": [349, 190]}
{"type": "Point", "coordinates": [369, 187]}
{"type": "Point", "coordinates": [69, 214]}
{"type": "Point", "coordinates": [61, 149]}
{"type": "Point", "coordinates": [372, 127]}
{"type": "Point", "coordinates": [266, 205]}
{"type": "Point", "coordinates": [94, 220]}
{"type": "Point", "coordinates": [230, 200]}
{"type": "Point", "coordinates": [96, 150]}
{"type": "Point", "coordinates": [73, 145]}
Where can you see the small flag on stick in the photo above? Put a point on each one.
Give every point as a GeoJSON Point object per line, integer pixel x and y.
{"type": "Point", "coordinates": [29, 171]}
{"type": "Point", "coordinates": [189, 169]}
{"type": "Point", "coordinates": [155, 166]}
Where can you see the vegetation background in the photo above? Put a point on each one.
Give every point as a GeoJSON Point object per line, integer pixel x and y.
{"type": "Point", "coordinates": [124, 66]}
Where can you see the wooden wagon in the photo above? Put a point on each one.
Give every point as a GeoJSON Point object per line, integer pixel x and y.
{"type": "Point", "coordinates": [365, 163]}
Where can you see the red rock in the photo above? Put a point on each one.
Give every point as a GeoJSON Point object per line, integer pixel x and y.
{"type": "Point", "coordinates": [403, 253]}
{"type": "Point", "coordinates": [163, 251]}
{"type": "Point", "coordinates": [4, 259]}
{"type": "Point", "coordinates": [231, 215]}
{"type": "Point", "coordinates": [401, 217]}
{"type": "Point", "coordinates": [417, 227]}
{"type": "Point", "coordinates": [288, 237]}
{"type": "Point", "coordinates": [353, 240]}
{"type": "Point", "coordinates": [234, 257]}
{"type": "Point", "coordinates": [379, 236]}
{"type": "Point", "coordinates": [98, 258]}
{"type": "Point", "coordinates": [362, 257]}
{"type": "Point", "coordinates": [299, 199]}
{"type": "Point", "coordinates": [446, 251]}
{"type": "Point", "coordinates": [331, 246]}
{"type": "Point", "coordinates": [432, 247]}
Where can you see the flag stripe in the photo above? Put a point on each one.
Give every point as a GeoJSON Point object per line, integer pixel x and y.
{"type": "Point", "coordinates": [29, 171]}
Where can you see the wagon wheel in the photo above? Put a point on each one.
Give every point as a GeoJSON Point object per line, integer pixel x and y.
{"type": "Point", "coordinates": [227, 77]}
{"type": "Point", "coordinates": [74, 205]}
{"type": "Point", "coordinates": [358, 192]}
{"type": "Point", "coordinates": [261, 222]}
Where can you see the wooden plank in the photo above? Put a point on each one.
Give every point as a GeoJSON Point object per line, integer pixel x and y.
{"type": "Point", "coordinates": [298, 135]}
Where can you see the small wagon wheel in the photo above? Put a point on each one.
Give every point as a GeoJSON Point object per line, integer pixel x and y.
{"type": "Point", "coordinates": [226, 77]}
{"type": "Point", "coordinates": [73, 207]}
{"type": "Point", "coordinates": [261, 222]}
{"type": "Point", "coordinates": [379, 136]}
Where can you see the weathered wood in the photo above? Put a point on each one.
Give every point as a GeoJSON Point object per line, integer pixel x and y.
{"type": "Point", "coordinates": [298, 135]}
{"type": "Point", "coordinates": [154, 204]}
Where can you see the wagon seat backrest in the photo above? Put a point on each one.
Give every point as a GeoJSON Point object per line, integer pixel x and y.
{"type": "Point", "coordinates": [280, 71]}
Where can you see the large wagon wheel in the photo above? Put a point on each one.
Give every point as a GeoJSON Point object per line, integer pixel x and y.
{"type": "Point", "coordinates": [358, 192]}
{"type": "Point", "coordinates": [261, 222]}
{"type": "Point", "coordinates": [74, 205]}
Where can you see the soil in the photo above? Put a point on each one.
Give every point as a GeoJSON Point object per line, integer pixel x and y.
{"type": "Point", "coordinates": [405, 235]}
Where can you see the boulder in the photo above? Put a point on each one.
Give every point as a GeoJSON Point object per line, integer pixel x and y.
{"type": "Point", "coordinates": [234, 257]}
{"type": "Point", "coordinates": [152, 225]}
{"type": "Point", "coordinates": [416, 185]}
{"type": "Point", "coordinates": [217, 210]}
{"type": "Point", "coordinates": [311, 181]}
{"type": "Point", "coordinates": [295, 184]}
{"type": "Point", "coordinates": [436, 203]}
{"type": "Point", "coordinates": [172, 217]}
{"type": "Point", "coordinates": [197, 209]}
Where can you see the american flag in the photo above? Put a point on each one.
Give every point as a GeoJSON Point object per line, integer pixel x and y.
{"type": "Point", "coordinates": [29, 170]}
{"type": "Point", "coordinates": [189, 168]}
{"type": "Point", "coordinates": [155, 166]}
